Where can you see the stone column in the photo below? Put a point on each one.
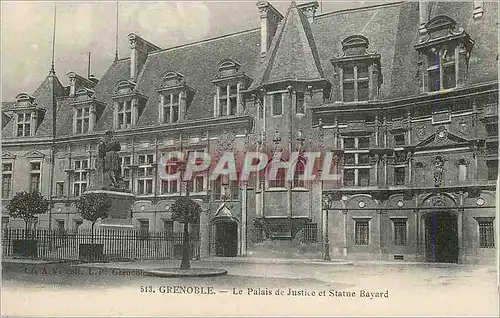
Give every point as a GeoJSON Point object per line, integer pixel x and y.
{"type": "Point", "coordinates": [92, 117]}
{"type": "Point", "coordinates": [160, 108]}
{"type": "Point", "coordinates": [244, 212]}
{"type": "Point", "coordinates": [115, 117]}
{"type": "Point", "coordinates": [461, 245]}
{"type": "Point", "coordinates": [344, 250]}
{"type": "Point", "coordinates": [461, 58]}
{"type": "Point", "coordinates": [217, 102]}
{"type": "Point", "coordinates": [324, 227]}
{"type": "Point", "coordinates": [326, 239]}
{"type": "Point", "coordinates": [182, 106]}
{"type": "Point", "coordinates": [379, 225]}
{"type": "Point", "coordinates": [228, 101]}
{"type": "Point", "coordinates": [204, 233]}
{"type": "Point", "coordinates": [263, 194]}
{"type": "Point", "coordinates": [384, 159]}
{"type": "Point", "coordinates": [135, 113]}
{"type": "Point", "coordinates": [417, 233]}
{"type": "Point", "coordinates": [238, 99]}
{"type": "Point", "coordinates": [423, 71]}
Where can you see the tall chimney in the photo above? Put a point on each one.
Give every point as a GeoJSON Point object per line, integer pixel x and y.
{"type": "Point", "coordinates": [423, 8]}
{"type": "Point", "coordinates": [309, 9]}
{"type": "Point", "coordinates": [269, 20]}
{"type": "Point", "coordinates": [76, 82]}
{"type": "Point", "coordinates": [139, 53]}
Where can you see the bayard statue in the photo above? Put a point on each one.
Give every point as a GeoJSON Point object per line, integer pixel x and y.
{"type": "Point", "coordinates": [108, 162]}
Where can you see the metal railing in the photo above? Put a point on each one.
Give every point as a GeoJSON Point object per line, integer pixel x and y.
{"type": "Point", "coordinates": [115, 244]}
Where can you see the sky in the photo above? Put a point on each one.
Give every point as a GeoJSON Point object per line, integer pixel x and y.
{"type": "Point", "coordinates": [82, 27]}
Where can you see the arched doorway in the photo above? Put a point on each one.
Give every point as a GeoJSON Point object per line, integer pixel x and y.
{"type": "Point", "coordinates": [226, 238]}
{"type": "Point", "coordinates": [224, 231]}
{"type": "Point", "coordinates": [441, 237]}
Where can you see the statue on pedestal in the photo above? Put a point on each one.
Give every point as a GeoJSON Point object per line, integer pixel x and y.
{"type": "Point", "coordinates": [108, 163]}
{"type": "Point", "coordinates": [438, 172]}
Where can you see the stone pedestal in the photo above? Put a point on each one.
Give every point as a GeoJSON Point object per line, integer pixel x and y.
{"type": "Point", "coordinates": [120, 213]}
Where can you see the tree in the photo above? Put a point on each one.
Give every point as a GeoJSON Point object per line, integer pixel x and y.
{"type": "Point", "coordinates": [94, 206]}
{"type": "Point", "coordinates": [25, 205]}
{"type": "Point", "coordinates": [185, 211]}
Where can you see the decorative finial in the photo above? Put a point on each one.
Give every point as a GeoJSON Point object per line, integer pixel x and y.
{"type": "Point", "coordinates": [116, 35]}
{"type": "Point", "coordinates": [52, 70]}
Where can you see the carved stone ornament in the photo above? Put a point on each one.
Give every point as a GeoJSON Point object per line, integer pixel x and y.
{"type": "Point", "coordinates": [321, 138]}
{"type": "Point", "coordinates": [327, 201]}
{"type": "Point", "coordinates": [438, 201]}
{"type": "Point", "coordinates": [463, 127]}
{"type": "Point", "coordinates": [421, 131]}
{"type": "Point", "coordinates": [62, 164]}
{"type": "Point", "coordinates": [226, 141]}
{"type": "Point", "coordinates": [251, 142]}
{"type": "Point", "coordinates": [441, 134]}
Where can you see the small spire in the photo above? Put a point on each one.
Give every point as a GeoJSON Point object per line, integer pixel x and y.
{"type": "Point", "coordinates": [116, 34]}
{"type": "Point", "coordinates": [52, 70]}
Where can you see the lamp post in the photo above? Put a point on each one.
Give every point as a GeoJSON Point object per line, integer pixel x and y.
{"type": "Point", "coordinates": [327, 205]}
{"type": "Point", "coordinates": [181, 167]}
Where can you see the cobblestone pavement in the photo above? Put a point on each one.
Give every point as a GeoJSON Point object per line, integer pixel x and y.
{"type": "Point", "coordinates": [317, 289]}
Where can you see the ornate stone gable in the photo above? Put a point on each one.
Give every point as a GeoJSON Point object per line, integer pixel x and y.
{"type": "Point", "coordinates": [442, 137]}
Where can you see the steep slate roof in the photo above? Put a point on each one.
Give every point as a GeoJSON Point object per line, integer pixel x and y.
{"type": "Point", "coordinates": [292, 54]}
{"type": "Point", "coordinates": [119, 70]}
{"type": "Point", "coordinates": [198, 63]}
{"type": "Point", "coordinates": [484, 32]}
{"type": "Point", "coordinates": [44, 96]}
{"type": "Point", "coordinates": [298, 50]}
{"type": "Point", "coordinates": [382, 26]}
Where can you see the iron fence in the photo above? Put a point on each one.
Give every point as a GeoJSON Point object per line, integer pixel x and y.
{"type": "Point", "coordinates": [115, 244]}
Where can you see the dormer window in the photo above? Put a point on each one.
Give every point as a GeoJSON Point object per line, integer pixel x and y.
{"type": "Point", "coordinates": [24, 124]}
{"type": "Point", "coordinates": [357, 71]}
{"type": "Point", "coordinates": [27, 115]}
{"type": "Point", "coordinates": [124, 114]}
{"type": "Point", "coordinates": [175, 98]}
{"type": "Point", "coordinates": [82, 120]}
{"type": "Point", "coordinates": [355, 83]}
{"type": "Point", "coordinates": [128, 105]}
{"type": "Point", "coordinates": [441, 69]}
{"type": "Point", "coordinates": [229, 83]}
{"type": "Point", "coordinates": [86, 111]}
{"type": "Point", "coordinates": [171, 108]}
{"type": "Point", "coordinates": [444, 55]}
{"type": "Point", "coordinates": [228, 100]}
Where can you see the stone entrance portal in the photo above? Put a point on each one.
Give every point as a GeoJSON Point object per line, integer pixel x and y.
{"type": "Point", "coordinates": [224, 232]}
{"type": "Point", "coordinates": [226, 238]}
{"type": "Point", "coordinates": [441, 237]}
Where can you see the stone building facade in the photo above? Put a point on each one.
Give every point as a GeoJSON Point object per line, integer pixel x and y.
{"type": "Point", "coordinates": [402, 98]}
